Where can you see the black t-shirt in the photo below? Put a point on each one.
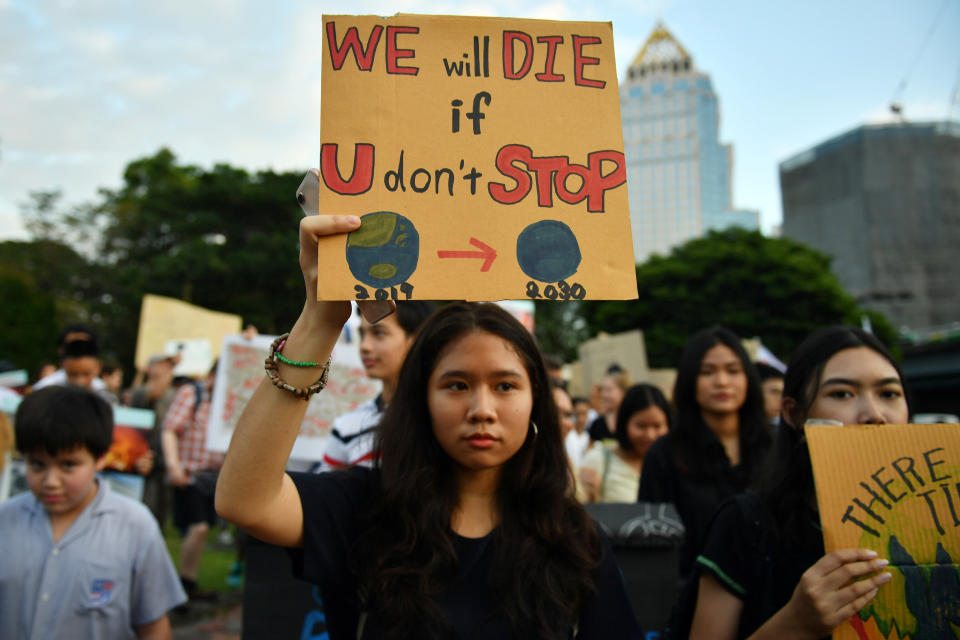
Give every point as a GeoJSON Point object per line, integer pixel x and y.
{"type": "Point", "coordinates": [332, 503]}
{"type": "Point", "coordinates": [599, 430]}
{"type": "Point", "coordinates": [745, 556]}
{"type": "Point", "coordinates": [696, 499]}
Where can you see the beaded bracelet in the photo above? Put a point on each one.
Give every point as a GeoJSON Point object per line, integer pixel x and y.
{"type": "Point", "coordinates": [278, 354]}
{"type": "Point", "coordinates": [270, 366]}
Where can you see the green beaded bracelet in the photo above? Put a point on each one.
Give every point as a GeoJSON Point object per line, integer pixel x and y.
{"type": "Point", "coordinates": [270, 364]}
{"type": "Point", "coordinates": [276, 347]}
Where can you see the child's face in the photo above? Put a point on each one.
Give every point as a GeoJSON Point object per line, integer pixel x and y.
{"type": "Point", "coordinates": [81, 371]}
{"type": "Point", "coordinates": [114, 380]}
{"type": "Point", "coordinates": [63, 483]}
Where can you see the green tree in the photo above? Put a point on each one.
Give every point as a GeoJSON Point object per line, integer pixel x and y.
{"type": "Point", "coordinates": [28, 316]}
{"type": "Point", "coordinates": [773, 288]}
{"type": "Point", "coordinates": [46, 284]}
{"type": "Point", "coordinates": [221, 238]}
{"type": "Point", "coordinates": [560, 328]}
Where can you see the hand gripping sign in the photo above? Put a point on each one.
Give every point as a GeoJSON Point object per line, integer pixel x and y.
{"type": "Point", "coordinates": [484, 157]}
{"type": "Point", "coordinates": [895, 489]}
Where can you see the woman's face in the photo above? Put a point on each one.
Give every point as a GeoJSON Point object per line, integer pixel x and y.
{"type": "Point", "coordinates": [645, 426]}
{"type": "Point", "coordinates": [721, 382]}
{"type": "Point", "coordinates": [610, 394]}
{"type": "Point", "coordinates": [859, 386]}
{"type": "Point", "coordinates": [480, 399]}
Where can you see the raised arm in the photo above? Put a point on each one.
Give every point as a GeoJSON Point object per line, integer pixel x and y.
{"type": "Point", "coordinates": [253, 490]}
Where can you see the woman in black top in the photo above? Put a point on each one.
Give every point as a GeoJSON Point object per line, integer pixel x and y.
{"type": "Point", "coordinates": [720, 437]}
{"type": "Point", "coordinates": [612, 389]}
{"type": "Point", "coordinates": [467, 527]}
{"type": "Point", "coordinates": [763, 572]}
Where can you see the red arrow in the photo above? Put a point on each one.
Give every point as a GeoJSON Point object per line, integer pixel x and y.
{"type": "Point", "coordinates": [486, 252]}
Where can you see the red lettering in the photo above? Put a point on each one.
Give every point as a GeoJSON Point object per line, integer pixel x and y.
{"type": "Point", "coordinates": [351, 42]}
{"type": "Point", "coordinates": [549, 75]}
{"type": "Point", "coordinates": [393, 53]}
{"type": "Point", "coordinates": [509, 37]}
{"type": "Point", "coordinates": [545, 168]}
{"type": "Point", "coordinates": [360, 179]}
{"type": "Point", "coordinates": [505, 159]}
{"type": "Point", "coordinates": [560, 183]}
{"type": "Point", "coordinates": [599, 184]}
{"type": "Point", "coordinates": [580, 60]}
{"type": "Point", "coordinates": [551, 173]}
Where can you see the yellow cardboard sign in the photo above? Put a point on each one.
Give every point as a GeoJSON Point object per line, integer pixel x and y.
{"type": "Point", "coordinates": [163, 319]}
{"type": "Point", "coordinates": [895, 489]}
{"type": "Point", "coordinates": [483, 155]}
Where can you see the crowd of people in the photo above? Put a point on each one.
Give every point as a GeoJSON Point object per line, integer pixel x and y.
{"type": "Point", "coordinates": [451, 505]}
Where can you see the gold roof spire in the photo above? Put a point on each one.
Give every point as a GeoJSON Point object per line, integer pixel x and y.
{"type": "Point", "coordinates": [662, 50]}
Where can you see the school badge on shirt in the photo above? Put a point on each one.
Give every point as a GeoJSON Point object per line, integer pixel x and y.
{"type": "Point", "coordinates": [101, 592]}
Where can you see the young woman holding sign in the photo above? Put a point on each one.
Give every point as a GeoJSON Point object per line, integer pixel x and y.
{"type": "Point", "coordinates": [763, 572]}
{"type": "Point", "coordinates": [467, 526]}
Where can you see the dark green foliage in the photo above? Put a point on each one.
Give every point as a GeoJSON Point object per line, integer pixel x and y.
{"type": "Point", "coordinates": [560, 328]}
{"type": "Point", "coordinates": [772, 288]}
{"type": "Point", "coordinates": [221, 238]}
{"type": "Point", "coordinates": [28, 316]}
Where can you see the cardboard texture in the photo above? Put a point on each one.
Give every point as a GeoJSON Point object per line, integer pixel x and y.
{"type": "Point", "coordinates": [483, 155]}
{"type": "Point", "coordinates": [895, 489]}
{"type": "Point", "coordinates": [240, 372]}
{"type": "Point", "coordinates": [164, 320]}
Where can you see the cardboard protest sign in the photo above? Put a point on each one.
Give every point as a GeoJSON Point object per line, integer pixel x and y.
{"type": "Point", "coordinates": [896, 490]}
{"type": "Point", "coordinates": [240, 372]}
{"type": "Point", "coordinates": [484, 157]}
{"type": "Point", "coordinates": [166, 323]}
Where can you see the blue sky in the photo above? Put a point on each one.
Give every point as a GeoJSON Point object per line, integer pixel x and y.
{"type": "Point", "coordinates": [87, 86]}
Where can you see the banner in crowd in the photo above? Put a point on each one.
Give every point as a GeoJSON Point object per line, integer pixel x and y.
{"type": "Point", "coordinates": [240, 372]}
{"type": "Point", "coordinates": [895, 489]}
{"type": "Point", "coordinates": [170, 326]}
{"type": "Point", "coordinates": [484, 157]}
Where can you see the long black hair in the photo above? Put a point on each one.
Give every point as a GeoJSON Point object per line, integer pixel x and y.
{"type": "Point", "coordinates": [754, 430]}
{"type": "Point", "coordinates": [787, 489]}
{"type": "Point", "coordinates": [637, 398]}
{"type": "Point", "coordinates": [545, 545]}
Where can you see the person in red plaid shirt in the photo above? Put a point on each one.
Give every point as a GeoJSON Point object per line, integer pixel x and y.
{"type": "Point", "coordinates": [192, 471]}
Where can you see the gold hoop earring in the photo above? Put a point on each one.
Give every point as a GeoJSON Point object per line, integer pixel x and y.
{"type": "Point", "coordinates": [536, 431]}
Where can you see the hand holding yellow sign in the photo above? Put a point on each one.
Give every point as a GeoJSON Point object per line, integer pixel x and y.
{"type": "Point", "coordinates": [484, 157]}
{"type": "Point", "coordinates": [895, 489]}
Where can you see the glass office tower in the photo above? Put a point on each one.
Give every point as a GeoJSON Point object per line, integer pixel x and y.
{"type": "Point", "coordinates": [679, 174]}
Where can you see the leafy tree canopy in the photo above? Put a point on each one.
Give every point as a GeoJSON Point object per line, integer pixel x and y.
{"type": "Point", "coordinates": [772, 288]}
{"type": "Point", "coordinates": [221, 238]}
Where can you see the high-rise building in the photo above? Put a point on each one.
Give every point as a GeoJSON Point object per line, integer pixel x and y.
{"type": "Point", "coordinates": [884, 202]}
{"type": "Point", "coordinates": [678, 172]}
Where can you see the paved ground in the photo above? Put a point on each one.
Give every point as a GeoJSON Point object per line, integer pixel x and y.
{"type": "Point", "coordinates": [209, 621]}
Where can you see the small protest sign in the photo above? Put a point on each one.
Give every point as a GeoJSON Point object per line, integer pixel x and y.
{"type": "Point", "coordinates": [168, 325]}
{"type": "Point", "coordinates": [241, 371]}
{"type": "Point", "coordinates": [484, 157]}
{"type": "Point", "coordinates": [895, 489]}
